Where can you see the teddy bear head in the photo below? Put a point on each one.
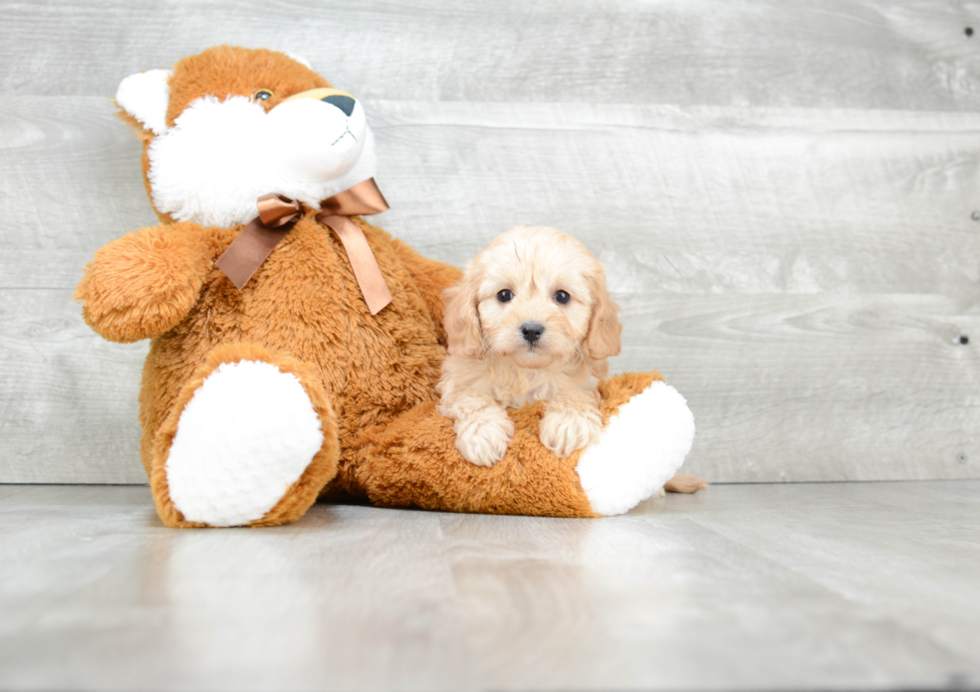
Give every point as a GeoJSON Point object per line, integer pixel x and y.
{"type": "Point", "coordinates": [231, 124]}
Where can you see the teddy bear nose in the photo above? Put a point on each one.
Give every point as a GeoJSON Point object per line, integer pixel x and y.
{"type": "Point", "coordinates": [532, 331]}
{"type": "Point", "coordinates": [344, 103]}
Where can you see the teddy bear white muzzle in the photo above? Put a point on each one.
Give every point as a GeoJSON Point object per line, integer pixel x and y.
{"type": "Point", "coordinates": [316, 139]}
{"type": "Point", "coordinates": [220, 156]}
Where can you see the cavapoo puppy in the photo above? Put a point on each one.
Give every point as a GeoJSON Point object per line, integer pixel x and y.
{"type": "Point", "coordinates": [530, 319]}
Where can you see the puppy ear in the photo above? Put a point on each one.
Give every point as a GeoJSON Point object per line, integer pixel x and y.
{"type": "Point", "coordinates": [603, 339]}
{"type": "Point", "coordinates": [462, 321]}
{"type": "Point", "coordinates": [144, 97]}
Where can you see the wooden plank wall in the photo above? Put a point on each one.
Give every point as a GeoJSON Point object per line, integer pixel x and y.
{"type": "Point", "coordinates": [783, 194]}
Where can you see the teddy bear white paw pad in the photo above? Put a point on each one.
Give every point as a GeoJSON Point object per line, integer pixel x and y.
{"type": "Point", "coordinates": [245, 437]}
{"type": "Point", "coordinates": [640, 449]}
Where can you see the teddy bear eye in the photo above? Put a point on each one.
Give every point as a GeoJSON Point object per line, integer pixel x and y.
{"type": "Point", "coordinates": [562, 297]}
{"type": "Point", "coordinates": [505, 295]}
{"type": "Point", "coordinates": [262, 94]}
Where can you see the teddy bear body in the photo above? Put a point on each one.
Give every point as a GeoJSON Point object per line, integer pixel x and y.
{"type": "Point", "coordinates": [291, 306]}
{"type": "Point", "coordinates": [255, 401]}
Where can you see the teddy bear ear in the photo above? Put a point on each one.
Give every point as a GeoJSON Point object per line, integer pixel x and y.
{"type": "Point", "coordinates": [145, 97]}
{"type": "Point", "coordinates": [299, 58]}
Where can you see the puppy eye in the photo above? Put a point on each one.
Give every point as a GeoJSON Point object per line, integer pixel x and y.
{"type": "Point", "coordinates": [262, 94]}
{"type": "Point", "coordinates": [562, 297]}
{"type": "Point", "coordinates": [504, 296]}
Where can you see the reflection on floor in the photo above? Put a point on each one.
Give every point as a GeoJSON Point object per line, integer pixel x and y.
{"type": "Point", "coordinates": [871, 585]}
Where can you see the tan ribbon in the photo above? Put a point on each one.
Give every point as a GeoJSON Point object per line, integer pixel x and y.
{"type": "Point", "coordinates": [260, 236]}
{"type": "Point", "coordinates": [363, 199]}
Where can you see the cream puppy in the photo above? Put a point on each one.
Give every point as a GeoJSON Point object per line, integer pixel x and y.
{"type": "Point", "coordinates": [530, 320]}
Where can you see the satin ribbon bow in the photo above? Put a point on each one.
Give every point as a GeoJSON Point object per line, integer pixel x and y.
{"type": "Point", "coordinates": [260, 236]}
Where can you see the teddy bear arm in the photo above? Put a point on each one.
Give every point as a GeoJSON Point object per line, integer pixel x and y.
{"type": "Point", "coordinates": [432, 277]}
{"type": "Point", "coordinates": [143, 284]}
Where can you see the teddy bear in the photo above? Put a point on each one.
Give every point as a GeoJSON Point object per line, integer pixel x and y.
{"type": "Point", "coordinates": [294, 347]}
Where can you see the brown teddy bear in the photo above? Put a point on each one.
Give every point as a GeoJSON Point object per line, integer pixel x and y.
{"type": "Point", "coordinates": [302, 359]}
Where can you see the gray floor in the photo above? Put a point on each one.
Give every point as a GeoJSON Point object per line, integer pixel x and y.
{"type": "Point", "coordinates": [873, 585]}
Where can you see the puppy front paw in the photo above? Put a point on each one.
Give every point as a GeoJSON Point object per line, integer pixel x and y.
{"type": "Point", "coordinates": [564, 432]}
{"type": "Point", "coordinates": [484, 442]}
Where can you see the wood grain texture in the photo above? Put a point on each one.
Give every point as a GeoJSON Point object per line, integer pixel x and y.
{"type": "Point", "coordinates": [823, 53]}
{"type": "Point", "coordinates": [781, 193]}
{"type": "Point", "coordinates": [612, 604]}
{"type": "Point", "coordinates": [67, 398]}
{"type": "Point", "coordinates": [896, 527]}
{"type": "Point", "coordinates": [700, 200]}
{"type": "Point", "coordinates": [221, 610]}
{"type": "Point", "coordinates": [803, 388]}
{"type": "Point", "coordinates": [803, 586]}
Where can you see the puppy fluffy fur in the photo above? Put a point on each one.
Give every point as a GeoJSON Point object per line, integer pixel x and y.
{"type": "Point", "coordinates": [511, 291]}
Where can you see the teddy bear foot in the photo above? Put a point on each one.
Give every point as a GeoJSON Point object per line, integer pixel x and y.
{"type": "Point", "coordinates": [242, 443]}
{"type": "Point", "coordinates": [639, 450]}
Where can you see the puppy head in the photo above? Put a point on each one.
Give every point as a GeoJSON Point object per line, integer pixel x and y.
{"type": "Point", "coordinates": [231, 124]}
{"type": "Point", "coordinates": [536, 296]}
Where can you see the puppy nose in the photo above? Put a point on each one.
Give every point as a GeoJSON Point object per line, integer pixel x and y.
{"type": "Point", "coordinates": [344, 103]}
{"type": "Point", "coordinates": [532, 331]}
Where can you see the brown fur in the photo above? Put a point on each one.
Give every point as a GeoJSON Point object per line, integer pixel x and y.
{"type": "Point", "coordinates": [225, 71]}
{"type": "Point", "coordinates": [413, 463]}
{"type": "Point", "coordinates": [371, 379]}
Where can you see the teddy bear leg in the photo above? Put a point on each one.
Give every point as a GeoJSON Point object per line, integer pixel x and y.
{"type": "Point", "coordinates": [250, 441]}
{"type": "Point", "coordinates": [648, 431]}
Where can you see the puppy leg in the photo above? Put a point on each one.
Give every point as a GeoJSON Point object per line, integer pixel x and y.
{"type": "Point", "coordinates": [571, 421]}
{"type": "Point", "coordinates": [483, 428]}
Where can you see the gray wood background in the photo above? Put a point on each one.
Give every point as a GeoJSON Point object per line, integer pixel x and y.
{"type": "Point", "coordinates": [783, 194]}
